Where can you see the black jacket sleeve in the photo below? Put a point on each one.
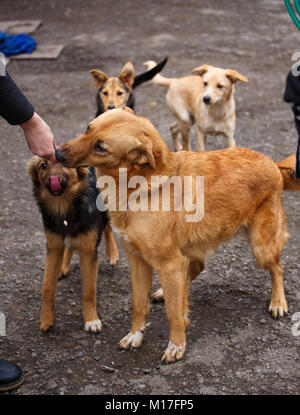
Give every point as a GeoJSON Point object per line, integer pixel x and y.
{"type": "Point", "coordinates": [14, 106]}
{"type": "Point", "coordinates": [292, 95]}
{"type": "Point", "coordinates": [292, 89]}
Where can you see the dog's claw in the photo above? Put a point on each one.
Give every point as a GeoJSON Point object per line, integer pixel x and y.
{"type": "Point", "coordinates": [47, 319]}
{"type": "Point", "coordinates": [158, 295]}
{"type": "Point", "coordinates": [113, 257]}
{"type": "Point", "coordinates": [278, 310]}
{"type": "Point", "coordinates": [46, 325]}
{"type": "Point", "coordinates": [173, 353]}
{"type": "Point", "coordinates": [63, 275]}
{"type": "Point", "coordinates": [132, 340]}
{"type": "Point", "coordinates": [113, 260]}
{"type": "Point", "coordinates": [94, 326]}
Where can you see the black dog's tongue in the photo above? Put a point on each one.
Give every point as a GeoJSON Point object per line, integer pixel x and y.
{"type": "Point", "coordinates": [54, 184]}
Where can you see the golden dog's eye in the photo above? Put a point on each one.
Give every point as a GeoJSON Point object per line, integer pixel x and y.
{"type": "Point", "coordinates": [120, 92]}
{"type": "Point", "coordinates": [99, 147]}
{"type": "Point", "coordinates": [205, 83]}
{"type": "Point", "coordinates": [105, 93]}
{"type": "Point", "coordinates": [220, 86]}
{"type": "Point", "coordinates": [43, 166]}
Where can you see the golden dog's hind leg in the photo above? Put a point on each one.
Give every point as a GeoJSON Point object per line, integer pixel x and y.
{"type": "Point", "coordinates": [89, 273]}
{"type": "Point", "coordinates": [141, 281]}
{"type": "Point", "coordinates": [112, 252]}
{"type": "Point", "coordinates": [65, 266]}
{"type": "Point", "coordinates": [268, 235]}
{"type": "Point", "coordinates": [195, 268]}
{"type": "Point", "coordinates": [54, 256]}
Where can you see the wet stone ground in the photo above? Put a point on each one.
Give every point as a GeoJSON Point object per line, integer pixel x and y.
{"type": "Point", "coordinates": [234, 346]}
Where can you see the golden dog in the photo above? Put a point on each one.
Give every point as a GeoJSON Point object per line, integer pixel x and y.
{"type": "Point", "coordinates": [242, 189]}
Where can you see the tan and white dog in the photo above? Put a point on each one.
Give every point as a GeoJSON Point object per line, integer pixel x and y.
{"type": "Point", "coordinates": [206, 99]}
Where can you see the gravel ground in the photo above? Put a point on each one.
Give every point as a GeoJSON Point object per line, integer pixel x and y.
{"type": "Point", "coordinates": [234, 346]}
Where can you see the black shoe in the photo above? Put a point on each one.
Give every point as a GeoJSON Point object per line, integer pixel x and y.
{"type": "Point", "coordinates": [11, 376]}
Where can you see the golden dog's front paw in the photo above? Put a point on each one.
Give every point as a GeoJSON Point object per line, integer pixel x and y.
{"type": "Point", "coordinates": [94, 326]}
{"type": "Point", "coordinates": [158, 295]}
{"type": "Point", "coordinates": [132, 340]}
{"type": "Point", "coordinates": [173, 353]}
{"type": "Point", "coordinates": [278, 308]}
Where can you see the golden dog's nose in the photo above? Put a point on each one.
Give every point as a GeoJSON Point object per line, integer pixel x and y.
{"type": "Point", "coordinates": [59, 155]}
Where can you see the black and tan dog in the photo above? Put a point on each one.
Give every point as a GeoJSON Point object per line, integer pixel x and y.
{"type": "Point", "coordinates": [72, 222]}
{"type": "Point", "coordinates": [116, 92]}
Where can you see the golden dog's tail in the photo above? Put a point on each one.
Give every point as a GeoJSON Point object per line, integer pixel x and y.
{"type": "Point", "coordinates": [287, 169]}
{"type": "Point", "coordinates": [158, 79]}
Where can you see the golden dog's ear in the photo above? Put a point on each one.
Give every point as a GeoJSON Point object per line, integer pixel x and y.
{"type": "Point", "coordinates": [127, 109]}
{"type": "Point", "coordinates": [201, 70]}
{"type": "Point", "coordinates": [32, 169]}
{"type": "Point", "coordinates": [99, 77]}
{"type": "Point", "coordinates": [82, 172]}
{"type": "Point", "coordinates": [235, 76]}
{"type": "Point", "coordinates": [142, 153]}
{"type": "Point", "coordinates": [127, 74]}
{"type": "Point", "coordinates": [91, 126]}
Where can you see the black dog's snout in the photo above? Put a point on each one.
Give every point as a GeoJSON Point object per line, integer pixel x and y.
{"type": "Point", "coordinates": [59, 155]}
{"type": "Point", "coordinates": [111, 107]}
{"type": "Point", "coordinates": [206, 99]}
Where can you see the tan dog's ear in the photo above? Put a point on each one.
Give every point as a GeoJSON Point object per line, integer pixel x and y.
{"type": "Point", "coordinates": [235, 76]}
{"type": "Point", "coordinates": [142, 153]}
{"type": "Point", "coordinates": [127, 109]}
{"type": "Point", "coordinates": [32, 169]}
{"type": "Point", "coordinates": [201, 70]}
{"type": "Point", "coordinates": [99, 77]}
{"type": "Point", "coordinates": [127, 74]}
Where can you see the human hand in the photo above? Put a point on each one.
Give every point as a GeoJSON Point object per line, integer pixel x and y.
{"type": "Point", "coordinates": [39, 137]}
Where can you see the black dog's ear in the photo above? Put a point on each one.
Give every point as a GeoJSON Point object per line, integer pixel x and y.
{"type": "Point", "coordinates": [99, 77]}
{"type": "Point", "coordinates": [127, 75]}
{"type": "Point", "coordinates": [32, 169]}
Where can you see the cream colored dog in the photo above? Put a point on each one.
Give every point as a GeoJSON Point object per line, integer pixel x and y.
{"type": "Point", "coordinates": [207, 99]}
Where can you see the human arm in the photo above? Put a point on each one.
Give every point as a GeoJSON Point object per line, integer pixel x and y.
{"type": "Point", "coordinates": [17, 110]}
